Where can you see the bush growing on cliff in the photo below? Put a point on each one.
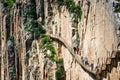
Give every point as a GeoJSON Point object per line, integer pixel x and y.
{"type": "Point", "coordinates": [14, 69]}
{"type": "Point", "coordinates": [60, 72]}
{"type": "Point", "coordinates": [46, 44]}
{"type": "Point", "coordinates": [8, 3]}
{"type": "Point", "coordinates": [38, 31]}
{"type": "Point", "coordinates": [11, 38]}
{"type": "Point", "coordinates": [72, 8]}
{"type": "Point", "coordinates": [117, 9]}
{"type": "Point", "coordinates": [59, 61]}
{"type": "Point", "coordinates": [27, 26]}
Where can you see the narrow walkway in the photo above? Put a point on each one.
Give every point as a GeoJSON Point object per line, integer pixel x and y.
{"type": "Point", "coordinates": [72, 53]}
{"type": "Point", "coordinates": [95, 74]}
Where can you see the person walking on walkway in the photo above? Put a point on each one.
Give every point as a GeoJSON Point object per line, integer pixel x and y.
{"type": "Point", "coordinates": [86, 61]}
{"type": "Point", "coordinates": [92, 65]}
{"type": "Point", "coordinates": [77, 49]}
{"type": "Point", "coordinates": [74, 48]}
{"type": "Point", "coordinates": [59, 34]}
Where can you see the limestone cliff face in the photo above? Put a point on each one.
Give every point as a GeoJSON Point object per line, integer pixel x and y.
{"type": "Point", "coordinates": [97, 32]}
{"type": "Point", "coordinates": [28, 52]}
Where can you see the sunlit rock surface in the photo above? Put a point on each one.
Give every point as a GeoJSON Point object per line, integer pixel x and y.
{"type": "Point", "coordinates": [22, 57]}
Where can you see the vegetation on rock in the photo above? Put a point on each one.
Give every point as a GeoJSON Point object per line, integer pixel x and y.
{"type": "Point", "coordinates": [8, 3]}
{"type": "Point", "coordinates": [11, 38]}
{"type": "Point", "coordinates": [117, 6]}
{"type": "Point", "coordinates": [117, 9]}
{"type": "Point", "coordinates": [75, 10]}
{"type": "Point", "coordinates": [46, 44]}
{"type": "Point", "coordinates": [60, 72]}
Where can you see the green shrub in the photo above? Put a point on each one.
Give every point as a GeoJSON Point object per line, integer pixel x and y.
{"type": "Point", "coordinates": [117, 9]}
{"type": "Point", "coordinates": [51, 48]}
{"type": "Point", "coordinates": [72, 8]}
{"type": "Point", "coordinates": [35, 28]}
{"type": "Point", "coordinates": [45, 39]}
{"type": "Point", "coordinates": [14, 69]}
{"type": "Point", "coordinates": [5, 4]}
{"type": "Point", "coordinates": [59, 61]}
{"type": "Point", "coordinates": [47, 44]}
{"type": "Point", "coordinates": [41, 29]}
{"type": "Point", "coordinates": [38, 31]}
{"type": "Point", "coordinates": [31, 13]}
{"type": "Point", "coordinates": [8, 3]}
{"type": "Point", "coordinates": [11, 38]}
{"type": "Point", "coordinates": [27, 28]}
{"type": "Point", "coordinates": [60, 73]}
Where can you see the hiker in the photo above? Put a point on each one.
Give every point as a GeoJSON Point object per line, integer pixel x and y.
{"type": "Point", "coordinates": [59, 34]}
{"type": "Point", "coordinates": [92, 65]}
{"type": "Point", "coordinates": [74, 43]}
{"type": "Point", "coordinates": [74, 48]}
{"type": "Point", "coordinates": [86, 61]}
{"type": "Point", "coordinates": [96, 68]}
{"type": "Point", "coordinates": [77, 49]}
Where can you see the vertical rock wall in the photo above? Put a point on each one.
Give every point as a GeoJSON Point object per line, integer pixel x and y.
{"type": "Point", "coordinates": [97, 34]}
{"type": "Point", "coordinates": [21, 54]}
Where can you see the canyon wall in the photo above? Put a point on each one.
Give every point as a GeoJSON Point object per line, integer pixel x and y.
{"type": "Point", "coordinates": [38, 37]}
